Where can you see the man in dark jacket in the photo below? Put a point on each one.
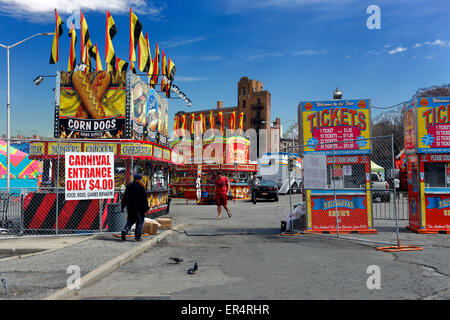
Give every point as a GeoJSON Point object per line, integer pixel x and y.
{"type": "Point", "coordinates": [135, 200]}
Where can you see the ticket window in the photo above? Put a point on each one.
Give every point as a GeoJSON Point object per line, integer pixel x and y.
{"type": "Point", "coordinates": [159, 180]}
{"type": "Point", "coordinates": [437, 175]}
{"type": "Point", "coordinates": [346, 176]}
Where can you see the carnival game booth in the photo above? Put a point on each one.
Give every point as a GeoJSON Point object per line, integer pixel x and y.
{"type": "Point", "coordinates": [427, 149]}
{"type": "Point", "coordinates": [227, 155]}
{"type": "Point", "coordinates": [336, 165]}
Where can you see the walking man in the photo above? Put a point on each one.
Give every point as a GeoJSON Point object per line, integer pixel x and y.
{"type": "Point", "coordinates": [135, 200]}
{"type": "Point", "coordinates": [222, 187]}
{"type": "Point", "coordinates": [254, 183]}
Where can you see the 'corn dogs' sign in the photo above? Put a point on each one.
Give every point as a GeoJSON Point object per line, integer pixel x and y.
{"type": "Point", "coordinates": [89, 175]}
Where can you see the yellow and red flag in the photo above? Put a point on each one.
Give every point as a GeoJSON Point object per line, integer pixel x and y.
{"type": "Point", "coordinates": [135, 34]}
{"type": "Point", "coordinates": [183, 124]}
{"type": "Point", "coordinates": [54, 55]}
{"type": "Point", "coordinates": [201, 117]}
{"type": "Point", "coordinates": [111, 31]}
{"type": "Point", "coordinates": [220, 114]}
{"type": "Point", "coordinates": [155, 71]}
{"type": "Point", "coordinates": [72, 56]}
{"type": "Point", "coordinates": [86, 44]}
{"type": "Point", "coordinates": [232, 121]}
{"type": "Point", "coordinates": [211, 120]}
{"type": "Point", "coordinates": [241, 121]}
{"type": "Point", "coordinates": [192, 123]}
{"type": "Point", "coordinates": [176, 125]}
{"type": "Point", "coordinates": [98, 61]}
{"type": "Point", "coordinates": [145, 57]}
{"type": "Point", "coordinates": [121, 65]}
{"type": "Point", "coordinates": [163, 72]}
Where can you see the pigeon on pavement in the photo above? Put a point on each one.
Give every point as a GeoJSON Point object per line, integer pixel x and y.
{"type": "Point", "coordinates": [176, 260]}
{"type": "Point", "coordinates": [193, 268]}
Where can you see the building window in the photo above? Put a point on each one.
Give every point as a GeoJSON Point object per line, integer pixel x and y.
{"type": "Point", "coordinates": [244, 104]}
{"type": "Point", "coordinates": [244, 91]}
{"type": "Point", "coordinates": [258, 101]}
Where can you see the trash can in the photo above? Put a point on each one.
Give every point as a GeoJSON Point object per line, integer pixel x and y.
{"type": "Point", "coordinates": [116, 220]}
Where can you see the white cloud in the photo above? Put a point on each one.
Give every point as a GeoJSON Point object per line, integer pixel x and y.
{"type": "Point", "coordinates": [308, 52]}
{"type": "Point", "coordinates": [431, 56]}
{"type": "Point", "coordinates": [437, 42]}
{"type": "Point", "coordinates": [38, 10]}
{"type": "Point", "coordinates": [418, 45]}
{"type": "Point", "coordinates": [397, 50]}
{"type": "Point", "coordinates": [180, 42]}
{"type": "Point", "coordinates": [189, 79]}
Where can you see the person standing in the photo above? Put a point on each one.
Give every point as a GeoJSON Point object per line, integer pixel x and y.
{"type": "Point", "coordinates": [254, 183]}
{"type": "Point", "coordinates": [135, 200]}
{"type": "Point", "coordinates": [397, 187]}
{"type": "Point", "coordinates": [198, 187]}
{"type": "Point", "coordinates": [222, 186]}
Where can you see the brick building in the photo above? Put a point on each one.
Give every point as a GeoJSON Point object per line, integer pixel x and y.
{"type": "Point", "coordinates": [255, 103]}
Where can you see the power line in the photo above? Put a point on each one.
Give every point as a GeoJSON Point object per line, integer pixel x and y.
{"type": "Point", "coordinates": [396, 105]}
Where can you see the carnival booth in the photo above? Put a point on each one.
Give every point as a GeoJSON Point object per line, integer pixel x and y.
{"type": "Point", "coordinates": [336, 165]}
{"type": "Point", "coordinates": [427, 149]}
{"type": "Point", "coordinates": [193, 156]}
{"type": "Point", "coordinates": [131, 126]}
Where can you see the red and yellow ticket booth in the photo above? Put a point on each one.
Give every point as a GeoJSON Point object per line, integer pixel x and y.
{"type": "Point", "coordinates": [427, 144]}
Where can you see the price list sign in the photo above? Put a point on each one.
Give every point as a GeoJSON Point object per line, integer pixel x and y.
{"type": "Point", "coordinates": [337, 126]}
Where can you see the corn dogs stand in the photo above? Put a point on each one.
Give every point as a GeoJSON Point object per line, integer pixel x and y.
{"type": "Point", "coordinates": [99, 112]}
{"type": "Point", "coordinates": [427, 148]}
{"type": "Point", "coordinates": [337, 131]}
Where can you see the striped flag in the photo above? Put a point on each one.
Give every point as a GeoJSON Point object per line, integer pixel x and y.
{"type": "Point", "coordinates": [54, 55]}
{"type": "Point", "coordinates": [98, 61]}
{"type": "Point", "coordinates": [176, 125]}
{"type": "Point", "coordinates": [220, 114]}
{"type": "Point", "coordinates": [72, 57]}
{"type": "Point", "coordinates": [163, 72]}
{"type": "Point", "coordinates": [111, 31]}
{"type": "Point", "coordinates": [241, 121]}
{"type": "Point", "coordinates": [211, 120]}
{"type": "Point", "coordinates": [192, 123]}
{"type": "Point", "coordinates": [144, 60]}
{"type": "Point", "coordinates": [232, 121]}
{"type": "Point", "coordinates": [183, 124]}
{"type": "Point", "coordinates": [135, 34]}
{"type": "Point", "coordinates": [154, 80]}
{"type": "Point", "coordinates": [86, 44]}
{"type": "Point", "coordinates": [121, 65]}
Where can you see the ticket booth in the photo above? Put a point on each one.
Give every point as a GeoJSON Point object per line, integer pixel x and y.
{"type": "Point", "coordinates": [427, 144]}
{"type": "Point", "coordinates": [337, 131]}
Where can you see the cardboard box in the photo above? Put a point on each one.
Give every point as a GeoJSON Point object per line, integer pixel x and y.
{"type": "Point", "coordinates": [150, 228]}
{"type": "Point", "coordinates": [166, 223]}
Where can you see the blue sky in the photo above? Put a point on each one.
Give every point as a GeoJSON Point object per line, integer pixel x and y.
{"type": "Point", "coordinates": [300, 49]}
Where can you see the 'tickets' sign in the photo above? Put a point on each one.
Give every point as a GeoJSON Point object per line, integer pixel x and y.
{"type": "Point", "coordinates": [339, 126]}
{"type": "Point", "coordinates": [433, 124]}
{"type": "Point", "coordinates": [89, 175]}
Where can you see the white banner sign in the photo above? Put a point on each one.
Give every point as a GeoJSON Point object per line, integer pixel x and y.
{"type": "Point", "coordinates": [89, 175]}
{"type": "Point", "coordinates": [315, 171]}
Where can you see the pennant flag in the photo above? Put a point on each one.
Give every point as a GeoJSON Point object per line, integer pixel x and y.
{"type": "Point", "coordinates": [220, 114]}
{"type": "Point", "coordinates": [86, 44]}
{"type": "Point", "coordinates": [233, 120]}
{"type": "Point", "coordinates": [54, 55]}
{"type": "Point", "coordinates": [163, 72]}
{"type": "Point", "coordinates": [98, 61]}
{"type": "Point", "coordinates": [72, 56]}
{"type": "Point", "coordinates": [192, 123]}
{"type": "Point", "coordinates": [121, 65]}
{"type": "Point", "coordinates": [201, 127]}
{"type": "Point", "coordinates": [154, 80]}
{"type": "Point", "coordinates": [171, 69]}
{"type": "Point", "coordinates": [203, 122]}
{"type": "Point", "coordinates": [176, 126]}
{"type": "Point", "coordinates": [211, 120]}
{"type": "Point", "coordinates": [132, 67]}
{"type": "Point", "coordinates": [135, 34]}
{"type": "Point", "coordinates": [144, 60]}
{"type": "Point", "coordinates": [241, 121]}
{"type": "Point", "coordinates": [111, 31]}
{"type": "Point", "coordinates": [183, 124]}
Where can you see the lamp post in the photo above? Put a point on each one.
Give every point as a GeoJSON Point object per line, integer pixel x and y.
{"type": "Point", "coordinates": [8, 104]}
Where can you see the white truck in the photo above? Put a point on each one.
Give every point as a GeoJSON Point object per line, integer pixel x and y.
{"type": "Point", "coordinates": [274, 166]}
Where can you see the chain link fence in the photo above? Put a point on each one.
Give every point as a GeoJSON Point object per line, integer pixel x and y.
{"type": "Point", "coordinates": [347, 194]}
{"type": "Point", "coordinates": [34, 203]}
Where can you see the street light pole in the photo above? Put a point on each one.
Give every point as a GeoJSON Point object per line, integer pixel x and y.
{"type": "Point", "coordinates": [8, 105]}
